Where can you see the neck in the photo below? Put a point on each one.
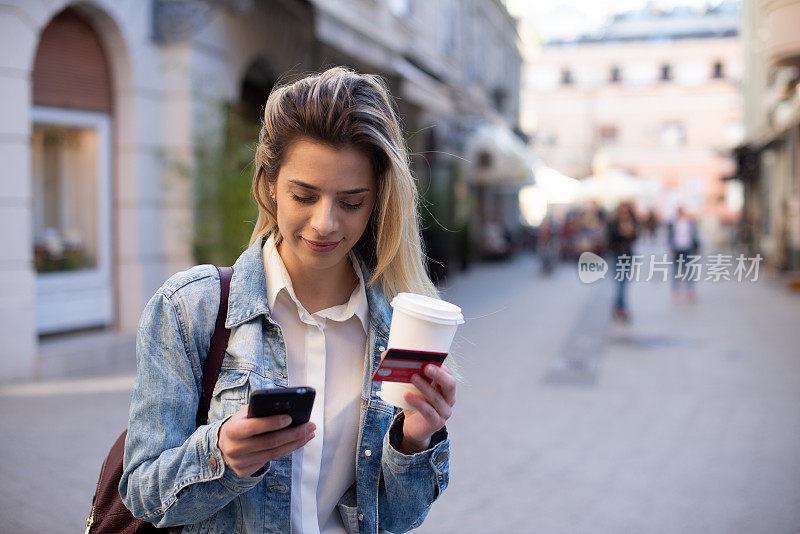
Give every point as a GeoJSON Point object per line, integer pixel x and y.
{"type": "Point", "coordinates": [320, 289]}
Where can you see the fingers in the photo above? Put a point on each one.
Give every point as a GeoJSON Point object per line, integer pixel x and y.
{"type": "Point", "coordinates": [433, 396]}
{"type": "Point", "coordinates": [291, 446]}
{"type": "Point", "coordinates": [426, 410]}
{"type": "Point", "coordinates": [279, 438]}
{"type": "Point", "coordinates": [442, 378]}
{"type": "Point", "coordinates": [437, 398]}
{"type": "Point", "coordinates": [246, 456]}
{"type": "Point", "coordinates": [245, 465]}
{"type": "Point", "coordinates": [243, 427]}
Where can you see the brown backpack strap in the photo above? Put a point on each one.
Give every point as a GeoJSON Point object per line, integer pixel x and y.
{"type": "Point", "coordinates": [216, 350]}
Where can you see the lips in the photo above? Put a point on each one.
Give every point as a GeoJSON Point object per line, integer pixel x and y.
{"type": "Point", "coordinates": [321, 246]}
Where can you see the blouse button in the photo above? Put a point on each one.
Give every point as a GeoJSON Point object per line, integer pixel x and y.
{"type": "Point", "coordinates": [367, 452]}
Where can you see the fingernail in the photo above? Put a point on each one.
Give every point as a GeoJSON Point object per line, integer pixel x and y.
{"type": "Point", "coordinates": [432, 370]}
{"type": "Point", "coordinates": [286, 419]}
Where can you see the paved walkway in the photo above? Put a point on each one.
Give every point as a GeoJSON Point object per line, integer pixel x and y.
{"type": "Point", "coordinates": [684, 421]}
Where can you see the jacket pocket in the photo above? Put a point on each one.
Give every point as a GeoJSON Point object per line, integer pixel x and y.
{"type": "Point", "coordinates": [231, 392]}
{"type": "Point", "coordinates": [349, 516]}
{"type": "Point", "coordinates": [348, 510]}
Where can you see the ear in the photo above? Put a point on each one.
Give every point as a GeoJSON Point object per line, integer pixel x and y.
{"type": "Point", "coordinates": [271, 187]}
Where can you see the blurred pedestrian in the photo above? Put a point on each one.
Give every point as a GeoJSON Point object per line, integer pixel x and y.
{"type": "Point", "coordinates": [622, 232]}
{"type": "Point", "coordinates": [683, 243]}
{"type": "Point", "coordinates": [547, 246]}
{"type": "Point", "coordinates": [651, 224]}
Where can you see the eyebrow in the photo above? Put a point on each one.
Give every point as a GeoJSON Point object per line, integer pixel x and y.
{"type": "Point", "coordinates": [315, 188]}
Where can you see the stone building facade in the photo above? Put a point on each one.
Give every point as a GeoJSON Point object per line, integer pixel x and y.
{"type": "Point", "coordinates": [769, 158]}
{"type": "Point", "coordinates": [653, 93]}
{"type": "Point", "coordinates": [103, 105]}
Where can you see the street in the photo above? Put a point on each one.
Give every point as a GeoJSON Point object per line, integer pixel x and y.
{"type": "Point", "coordinates": [683, 421]}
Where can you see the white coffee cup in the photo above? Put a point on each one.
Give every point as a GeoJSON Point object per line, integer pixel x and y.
{"type": "Point", "coordinates": [419, 323]}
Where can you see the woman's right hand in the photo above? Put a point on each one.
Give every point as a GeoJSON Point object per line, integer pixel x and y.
{"type": "Point", "coordinates": [247, 444]}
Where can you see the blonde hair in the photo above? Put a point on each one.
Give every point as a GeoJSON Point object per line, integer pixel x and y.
{"type": "Point", "coordinates": [342, 108]}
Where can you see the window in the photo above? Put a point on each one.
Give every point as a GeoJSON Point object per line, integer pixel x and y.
{"type": "Point", "coordinates": [719, 70]}
{"type": "Point", "coordinates": [499, 97]}
{"type": "Point", "coordinates": [65, 198]}
{"type": "Point", "coordinates": [616, 75]}
{"type": "Point", "coordinates": [400, 8]}
{"type": "Point", "coordinates": [672, 134]}
{"type": "Point", "coordinates": [566, 77]}
{"type": "Point", "coordinates": [607, 134]}
{"type": "Point", "coordinates": [666, 72]}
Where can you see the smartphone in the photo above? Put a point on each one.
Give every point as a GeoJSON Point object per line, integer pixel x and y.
{"type": "Point", "coordinates": [399, 365]}
{"type": "Point", "coordinates": [296, 402]}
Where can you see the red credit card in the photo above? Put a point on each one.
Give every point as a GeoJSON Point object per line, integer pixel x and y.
{"type": "Point", "coordinates": [399, 365]}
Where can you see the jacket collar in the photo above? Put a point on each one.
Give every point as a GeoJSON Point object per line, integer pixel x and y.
{"type": "Point", "coordinates": [248, 295]}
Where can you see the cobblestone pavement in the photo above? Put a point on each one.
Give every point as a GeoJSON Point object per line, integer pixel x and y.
{"type": "Point", "coordinates": [683, 421]}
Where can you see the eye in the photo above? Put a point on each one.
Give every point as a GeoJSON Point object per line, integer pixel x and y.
{"type": "Point", "coordinates": [348, 206]}
{"type": "Point", "coordinates": [303, 200]}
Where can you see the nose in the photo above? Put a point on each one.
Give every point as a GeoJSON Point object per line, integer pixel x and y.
{"type": "Point", "coordinates": [324, 220]}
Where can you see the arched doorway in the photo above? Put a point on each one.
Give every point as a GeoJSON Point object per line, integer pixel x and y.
{"type": "Point", "coordinates": [71, 167]}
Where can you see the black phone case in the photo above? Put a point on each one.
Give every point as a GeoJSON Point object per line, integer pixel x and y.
{"type": "Point", "coordinates": [296, 402]}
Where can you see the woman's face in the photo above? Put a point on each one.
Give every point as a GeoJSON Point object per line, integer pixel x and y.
{"type": "Point", "coordinates": [325, 197]}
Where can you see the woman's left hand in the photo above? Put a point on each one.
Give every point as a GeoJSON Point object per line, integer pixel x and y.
{"type": "Point", "coordinates": [432, 409]}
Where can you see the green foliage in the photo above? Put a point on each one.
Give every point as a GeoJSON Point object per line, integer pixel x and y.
{"type": "Point", "coordinates": [225, 211]}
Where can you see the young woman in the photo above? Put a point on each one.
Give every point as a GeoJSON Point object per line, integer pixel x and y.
{"type": "Point", "coordinates": [336, 238]}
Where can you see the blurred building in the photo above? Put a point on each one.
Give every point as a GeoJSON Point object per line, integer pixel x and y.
{"type": "Point", "coordinates": [108, 107]}
{"type": "Point", "coordinates": [768, 160]}
{"type": "Point", "coordinates": [651, 93]}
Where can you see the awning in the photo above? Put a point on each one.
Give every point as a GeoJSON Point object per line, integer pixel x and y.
{"type": "Point", "coordinates": [496, 156]}
{"type": "Point", "coordinates": [614, 186]}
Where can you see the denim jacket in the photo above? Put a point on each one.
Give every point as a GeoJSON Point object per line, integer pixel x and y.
{"type": "Point", "coordinates": [174, 473]}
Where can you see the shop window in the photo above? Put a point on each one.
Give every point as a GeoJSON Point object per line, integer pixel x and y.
{"type": "Point", "coordinates": [65, 198]}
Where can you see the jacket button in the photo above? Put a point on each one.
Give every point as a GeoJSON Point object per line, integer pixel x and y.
{"type": "Point", "coordinates": [360, 517]}
{"type": "Point", "coordinates": [441, 457]}
{"type": "Point", "coordinates": [381, 349]}
{"type": "Point", "coordinates": [212, 463]}
{"type": "Point", "coordinates": [367, 452]}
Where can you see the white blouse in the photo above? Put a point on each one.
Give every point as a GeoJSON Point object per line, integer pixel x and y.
{"type": "Point", "coordinates": [324, 350]}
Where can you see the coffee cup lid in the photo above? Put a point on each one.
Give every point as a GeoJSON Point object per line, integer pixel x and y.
{"type": "Point", "coordinates": [428, 308]}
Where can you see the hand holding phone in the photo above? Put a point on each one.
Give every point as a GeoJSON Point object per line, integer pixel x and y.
{"type": "Point", "coordinates": [274, 424]}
